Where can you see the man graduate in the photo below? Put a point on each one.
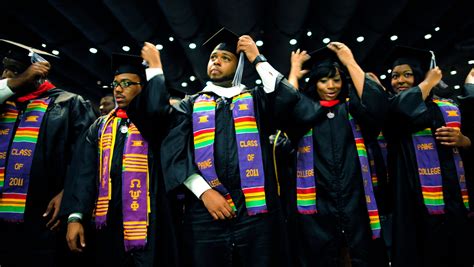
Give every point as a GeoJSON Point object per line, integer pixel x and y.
{"type": "Point", "coordinates": [118, 181]}
{"type": "Point", "coordinates": [218, 147]}
{"type": "Point", "coordinates": [39, 126]}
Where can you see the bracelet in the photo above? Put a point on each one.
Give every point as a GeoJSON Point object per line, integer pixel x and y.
{"type": "Point", "coordinates": [74, 219]}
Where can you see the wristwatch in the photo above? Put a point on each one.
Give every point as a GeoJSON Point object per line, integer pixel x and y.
{"type": "Point", "coordinates": [258, 59]}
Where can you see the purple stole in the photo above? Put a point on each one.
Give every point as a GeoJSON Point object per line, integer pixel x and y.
{"type": "Point", "coordinates": [429, 168]}
{"type": "Point", "coordinates": [306, 177]}
{"type": "Point", "coordinates": [16, 161]}
{"type": "Point", "coordinates": [252, 176]}
{"type": "Point", "coordinates": [382, 144]}
{"type": "Point", "coordinates": [135, 182]}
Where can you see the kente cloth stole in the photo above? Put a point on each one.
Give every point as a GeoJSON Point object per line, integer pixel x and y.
{"type": "Point", "coordinates": [252, 175]}
{"type": "Point", "coordinates": [135, 182]}
{"type": "Point", "coordinates": [429, 167]}
{"type": "Point", "coordinates": [306, 177]}
{"type": "Point", "coordinates": [16, 158]}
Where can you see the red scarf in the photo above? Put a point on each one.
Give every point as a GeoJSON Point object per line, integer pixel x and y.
{"type": "Point", "coordinates": [329, 103]}
{"type": "Point", "coordinates": [39, 91]}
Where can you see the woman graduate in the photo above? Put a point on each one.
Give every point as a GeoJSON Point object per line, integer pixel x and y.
{"type": "Point", "coordinates": [424, 135]}
{"type": "Point", "coordinates": [334, 201]}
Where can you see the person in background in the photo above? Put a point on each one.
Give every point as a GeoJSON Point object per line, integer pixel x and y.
{"type": "Point", "coordinates": [424, 136]}
{"type": "Point", "coordinates": [118, 183]}
{"type": "Point", "coordinates": [39, 129]}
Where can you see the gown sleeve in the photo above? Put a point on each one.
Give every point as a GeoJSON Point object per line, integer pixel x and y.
{"type": "Point", "coordinates": [150, 109]}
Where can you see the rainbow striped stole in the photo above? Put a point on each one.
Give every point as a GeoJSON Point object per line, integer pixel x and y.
{"type": "Point", "coordinates": [204, 136]}
{"type": "Point", "coordinates": [19, 158]}
{"type": "Point", "coordinates": [306, 177]}
{"type": "Point", "coordinates": [452, 118]}
{"type": "Point", "coordinates": [135, 182]}
{"type": "Point", "coordinates": [370, 200]}
{"type": "Point", "coordinates": [252, 175]}
{"type": "Point", "coordinates": [248, 149]}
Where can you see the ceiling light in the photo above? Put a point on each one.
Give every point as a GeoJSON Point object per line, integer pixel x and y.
{"type": "Point", "coordinates": [192, 45]}
{"type": "Point", "coordinates": [389, 71]}
{"type": "Point", "coordinates": [309, 33]}
{"type": "Point", "coordinates": [184, 84]}
{"type": "Point", "coordinates": [306, 80]}
{"type": "Point", "coordinates": [171, 39]}
{"type": "Point", "coordinates": [159, 46]}
{"type": "Point", "coordinates": [55, 52]}
{"type": "Point", "coordinates": [192, 78]}
{"type": "Point", "coordinates": [360, 39]}
{"type": "Point", "coordinates": [43, 45]}
{"type": "Point", "coordinates": [258, 81]}
{"type": "Point", "coordinates": [259, 42]}
{"type": "Point", "coordinates": [457, 87]}
{"type": "Point", "coordinates": [105, 86]}
{"type": "Point", "coordinates": [436, 29]}
{"type": "Point", "coordinates": [428, 36]}
{"type": "Point", "coordinates": [293, 41]}
{"type": "Point", "coordinates": [393, 38]}
{"type": "Point", "coordinates": [326, 40]}
{"type": "Point", "coordinates": [93, 50]}
{"type": "Point", "coordinates": [126, 48]}
{"type": "Point", "coordinates": [453, 72]}
{"type": "Point", "coordinates": [383, 76]}
{"type": "Point", "coordinates": [470, 62]}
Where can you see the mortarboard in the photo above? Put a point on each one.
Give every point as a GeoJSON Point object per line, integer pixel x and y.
{"type": "Point", "coordinates": [322, 57]}
{"type": "Point", "coordinates": [413, 57]}
{"type": "Point", "coordinates": [123, 63]}
{"type": "Point", "coordinates": [19, 56]}
{"type": "Point", "coordinates": [224, 39]}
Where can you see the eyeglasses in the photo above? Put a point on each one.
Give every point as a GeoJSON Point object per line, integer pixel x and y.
{"type": "Point", "coordinates": [123, 83]}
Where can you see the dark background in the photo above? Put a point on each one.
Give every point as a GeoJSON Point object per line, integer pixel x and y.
{"type": "Point", "coordinates": [74, 27]}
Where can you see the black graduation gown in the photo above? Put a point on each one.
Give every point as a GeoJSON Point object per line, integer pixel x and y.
{"type": "Point", "coordinates": [67, 116]}
{"type": "Point", "coordinates": [420, 239]}
{"type": "Point", "coordinates": [252, 240]}
{"type": "Point", "coordinates": [342, 219]}
{"type": "Point", "coordinates": [161, 248]}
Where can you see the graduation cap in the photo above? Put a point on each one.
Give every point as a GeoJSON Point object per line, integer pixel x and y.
{"type": "Point", "coordinates": [123, 63]}
{"type": "Point", "coordinates": [424, 59]}
{"type": "Point", "coordinates": [226, 40]}
{"type": "Point", "coordinates": [322, 57]}
{"type": "Point", "coordinates": [18, 56]}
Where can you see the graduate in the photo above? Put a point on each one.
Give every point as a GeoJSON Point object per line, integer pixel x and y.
{"type": "Point", "coordinates": [218, 148]}
{"type": "Point", "coordinates": [117, 180]}
{"type": "Point", "coordinates": [424, 135]}
{"type": "Point", "coordinates": [39, 129]}
{"type": "Point", "coordinates": [336, 212]}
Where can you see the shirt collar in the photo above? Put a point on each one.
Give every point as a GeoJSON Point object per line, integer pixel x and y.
{"type": "Point", "coordinates": [227, 92]}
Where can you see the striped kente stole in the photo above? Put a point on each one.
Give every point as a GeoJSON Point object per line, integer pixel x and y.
{"type": "Point", "coordinates": [16, 161]}
{"type": "Point", "coordinates": [135, 182]}
{"type": "Point", "coordinates": [306, 177]}
{"type": "Point", "coordinates": [248, 149]}
{"type": "Point", "coordinates": [429, 167]}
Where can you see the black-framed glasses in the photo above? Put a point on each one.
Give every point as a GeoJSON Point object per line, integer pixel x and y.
{"type": "Point", "coordinates": [123, 83]}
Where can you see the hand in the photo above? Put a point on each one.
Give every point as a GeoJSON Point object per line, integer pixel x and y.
{"type": "Point", "coordinates": [26, 81]}
{"type": "Point", "coordinates": [53, 207]}
{"type": "Point", "coordinates": [75, 235]}
{"type": "Point", "coordinates": [151, 55]}
{"type": "Point", "coordinates": [298, 57]}
{"type": "Point", "coordinates": [217, 205]}
{"type": "Point", "coordinates": [470, 77]}
{"type": "Point", "coordinates": [433, 76]}
{"type": "Point", "coordinates": [452, 136]}
{"type": "Point", "coordinates": [343, 52]}
{"type": "Point", "coordinates": [248, 46]}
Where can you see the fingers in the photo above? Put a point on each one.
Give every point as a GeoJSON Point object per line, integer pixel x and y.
{"type": "Point", "coordinates": [82, 239]}
{"type": "Point", "coordinates": [48, 209]}
{"type": "Point", "coordinates": [53, 218]}
{"type": "Point", "coordinates": [55, 226]}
